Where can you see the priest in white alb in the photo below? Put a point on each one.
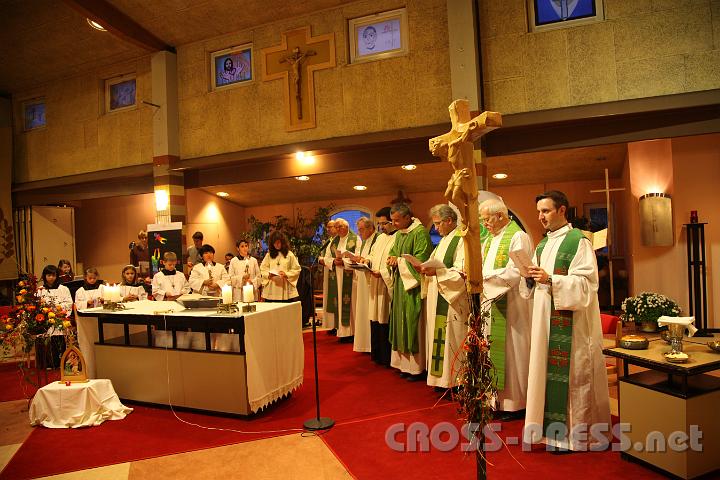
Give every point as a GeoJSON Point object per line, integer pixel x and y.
{"type": "Point", "coordinates": [381, 288]}
{"type": "Point", "coordinates": [567, 386]}
{"type": "Point", "coordinates": [509, 325]}
{"type": "Point", "coordinates": [327, 320]}
{"type": "Point", "coordinates": [340, 281]}
{"type": "Point", "coordinates": [361, 284]}
{"type": "Point", "coordinates": [447, 306]}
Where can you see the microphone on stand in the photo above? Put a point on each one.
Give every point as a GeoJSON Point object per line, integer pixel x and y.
{"type": "Point", "coordinates": [317, 423]}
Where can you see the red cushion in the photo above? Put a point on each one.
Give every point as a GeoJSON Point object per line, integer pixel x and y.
{"type": "Point", "coordinates": [609, 323]}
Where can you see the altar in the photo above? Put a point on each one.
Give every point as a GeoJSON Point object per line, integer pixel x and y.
{"type": "Point", "coordinates": [264, 364]}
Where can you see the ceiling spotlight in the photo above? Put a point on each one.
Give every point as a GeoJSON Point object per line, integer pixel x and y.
{"type": "Point", "coordinates": [500, 176]}
{"type": "Point", "coordinates": [302, 178]}
{"type": "Point", "coordinates": [223, 194]}
{"type": "Point", "coordinates": [409, 167]}
{"type": "Point", "coordinates": [96, 25]}
{"type": "Point", "coordinates": [360, 187]}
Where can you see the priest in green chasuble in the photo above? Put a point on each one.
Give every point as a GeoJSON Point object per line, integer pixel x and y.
{"type": "Point", "coordinates": [340, 280]}
{"type": "Point", "coordinates": [407, 322]}
{"type": "Point", "coordinates": [447, 301]}
{"type": "Point", "coordinates": [509, 325]}
{"type": "Point", "coordinates": [567, 384]}
{"type": "Point", "coordinates": [328, 320]}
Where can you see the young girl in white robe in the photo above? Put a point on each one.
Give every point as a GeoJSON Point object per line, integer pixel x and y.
{"type": "Point", "coordinates": [52, 292]}
{"type": "Point", "coordinates": [90, 294]}
{"type": "Point", "coordinates": [244, 269]}
{"type": "Point", "coordinates": [130, 289]}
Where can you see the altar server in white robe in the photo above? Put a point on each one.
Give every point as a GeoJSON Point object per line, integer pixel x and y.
{"type": "Point", "coordinates": [130, 289]}
{"type": "Point", "coordinates": [361, 284]}
{"type": "Point", "coordinates": [52, 292]}
{"type": "Point", "coordinates": [340, 277]}
{"type": "Point", "coordinates": [381, 288]}
{"type": "Point", "coordinates": [167, 285]}
{"type": "Point", "coordinates": [206, 278]}
{"type": "Point", "coordinates": [280, 271]}
{"type": "Point", "coordinates": [447, 306]}
{"type": "Point", "coordinates": [567, 386]}
{"type": "Point", "coordinates": [244, 270]}
{"type": "Point", "coordinates": [509, 328]}
{"type": "Point", "coordinates": [91, 293]}
{"type": "Point", "coordinates": [328, 321]}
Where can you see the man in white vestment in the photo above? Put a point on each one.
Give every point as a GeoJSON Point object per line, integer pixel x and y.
{"type": "Point", "coordinates": [381, 288]}
{"type": "Point", "coordinates": [567, 385]}
{"type": "Point", "coordinates": [340, 277]}
{"type": "Point", "coordinates": [361, 284]}
{"type": "Point", "coordinates": [328, 320]}
{"type": "Point", "coordinates": [509, 327]}
{"type": "Point", "coordinates": [447, 306]}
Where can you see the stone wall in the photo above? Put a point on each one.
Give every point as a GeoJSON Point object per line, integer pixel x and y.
{"type": "Point", "coordinates": [643, 48]}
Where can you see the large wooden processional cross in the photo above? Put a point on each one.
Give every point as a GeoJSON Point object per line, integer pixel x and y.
{"type": "Point", "coordinates": [456, 147]}
{"type": "Point", "coordinates": [294, 61]}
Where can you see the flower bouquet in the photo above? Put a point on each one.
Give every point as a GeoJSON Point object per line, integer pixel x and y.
{"type": "Point", "coordinates": [645, 309]}
{"type": "Point", "coordinates": [32, 320]}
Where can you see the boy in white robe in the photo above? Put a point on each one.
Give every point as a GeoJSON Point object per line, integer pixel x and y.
{"type": "Point", "coordinates": [167, 285]}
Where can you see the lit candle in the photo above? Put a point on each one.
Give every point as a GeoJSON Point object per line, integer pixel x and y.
{"type": "Point", "coordinates": [106, 293]}
{"type": "Point", "coordinates": [115, 294]}
{"type": "Point", "coordinates": [226, 294]}
{"type": "Point", "coordinates": [248, 293]}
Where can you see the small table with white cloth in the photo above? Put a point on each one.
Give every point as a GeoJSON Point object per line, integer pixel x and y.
{"type": "Point", "coordinates": [81, 404]}
{"type": "Point", "coordinates": [264, 363]}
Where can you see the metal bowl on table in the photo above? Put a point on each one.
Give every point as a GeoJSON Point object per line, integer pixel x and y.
{"type": "Point", "coordinates": [715, 345]}
{"type": "Point", "coordinates": [634, 342]}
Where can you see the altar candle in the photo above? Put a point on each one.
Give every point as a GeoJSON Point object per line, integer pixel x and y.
{"type": "Point", "coordinates": [115, 294]}
{"type": "Point", "coordinates": [248, 293]}
{"type": "Point", "coordinates": [106, 293]}
{"type": "Point", "coordinates": [226, 294]}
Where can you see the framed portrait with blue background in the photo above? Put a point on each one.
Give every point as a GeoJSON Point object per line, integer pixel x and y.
{"type": "Point", "coordinates": [33, 114]}
{"type": "Point", "coordinates": [120, 93]}
{"type": "Point", "coordinates": [549, 14]}
{"type": "Point", "coordinates": [378, 36]}
{"type": "Point", "coordinates": [232, 66]}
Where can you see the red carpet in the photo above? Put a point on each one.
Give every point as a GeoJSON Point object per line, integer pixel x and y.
{"type": "Point", "coordinates": [363, 398]}
{"type": "Point", "coordinates": [13, 386]}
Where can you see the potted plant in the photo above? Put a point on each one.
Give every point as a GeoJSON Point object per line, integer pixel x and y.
{"type": "Point", "coordinates": [645, 309]}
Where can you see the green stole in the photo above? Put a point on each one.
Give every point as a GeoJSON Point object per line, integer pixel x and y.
{"type": "Point", "coordinates": [498, 311]}
{"type": "Point", "coordinates": [441, 312]}
{"type": "Point", "coordinates": [557, 383]}
{"type": "Point", "coordinates": [332, 300]}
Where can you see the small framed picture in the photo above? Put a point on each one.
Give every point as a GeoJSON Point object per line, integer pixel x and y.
{"type": "Point", "coordinates": [551, 14]}
{"type": "Point", "coordinates": [33, 114]}
{"type": "Point", "coordinates": [378, 36]}
{"type": "Point", "coordinates": [232, 66]}
{"type": "Point", "coordinates": [120, 93]}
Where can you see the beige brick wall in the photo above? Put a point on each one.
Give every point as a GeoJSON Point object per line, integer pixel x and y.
{"type": "Point", "coordinates": [407, 91]}
{"type": "Point", "coordinates": [79, 136]}
{"type": "Point", "coordinates": [643, 48]}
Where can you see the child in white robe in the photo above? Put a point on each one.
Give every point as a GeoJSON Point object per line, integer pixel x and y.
{"type": "Point", "coordinates": [244, 269]}
{"type": "Point", "coordinates": [91, 293]}
{"type": "Point", "coordinates": [167, 285]}
{"type": "Point", "coordinates": [52, 292]}
{"type": "Point", "coordinates": [130, 289]}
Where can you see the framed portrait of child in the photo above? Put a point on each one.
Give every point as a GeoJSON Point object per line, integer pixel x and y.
{"type": "Point", "coordinates": [378, 36]}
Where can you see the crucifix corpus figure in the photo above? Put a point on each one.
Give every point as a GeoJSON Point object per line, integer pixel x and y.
{"type": "Point", "coordinates": [456, 147]}
{"type": "Point", "coordinates": [295, 59]}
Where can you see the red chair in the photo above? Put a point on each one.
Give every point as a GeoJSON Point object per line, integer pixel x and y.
{"type": "Point", "coordinates": [609, 323]}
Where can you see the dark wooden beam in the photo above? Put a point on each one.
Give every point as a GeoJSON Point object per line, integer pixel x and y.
{"type": "Point", "coordinates": [119, 24]}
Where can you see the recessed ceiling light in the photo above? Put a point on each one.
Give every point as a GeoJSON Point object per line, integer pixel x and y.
{"type": "Point", "coordinates": [500, 176]}
{"type": "Point", "coordinates": [96, 25]}
{"type": "Point", "coordinates": [409, 167]}
{"type": "Point", "coordinates": [302, 178]}
{"type": "Point", "coordinates": [360, 187]}
{"type": "Point", "coordinates": [223, 194]}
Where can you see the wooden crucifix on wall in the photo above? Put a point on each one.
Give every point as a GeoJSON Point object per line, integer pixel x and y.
{"type": "Point", "coordinates": [456, 147]}
{"type": "Point", "coordinates": [294, 61]}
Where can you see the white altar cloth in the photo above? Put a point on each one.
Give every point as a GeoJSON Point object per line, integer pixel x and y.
{"type": "Point", "coordinates": [274, 350]}
{"type": "Point", "coordinates": [87, 404]}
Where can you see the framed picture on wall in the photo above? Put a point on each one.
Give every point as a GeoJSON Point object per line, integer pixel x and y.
{"type": "Point", "coordinates": [378, 36]}
{"type": "Point", "coordinates": [230, 67]}
{"type": "Point", "coordinates": [550, 14]}
{"type": "Point", "coordinates": [33, 114]}
{"type": "Point", "coordinates": [120, 93]}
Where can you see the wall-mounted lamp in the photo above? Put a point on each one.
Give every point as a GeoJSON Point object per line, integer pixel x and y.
{"type": "Point", "coordinates": [162, 200]}
{"type": "Point", "coordinates": [656, 220]}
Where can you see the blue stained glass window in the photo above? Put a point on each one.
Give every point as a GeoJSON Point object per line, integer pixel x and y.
{"type": "Point", "coordinates": [34, 115]}
{"type": "Point", "coordinates": [352, 217]}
